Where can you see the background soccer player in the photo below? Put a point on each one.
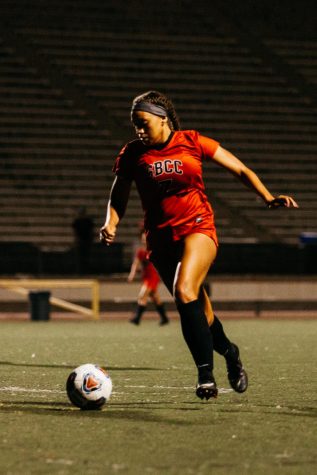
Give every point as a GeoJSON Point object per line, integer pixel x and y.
{"type": "Point", "coordinates": [150, 281]}
{"type": "Point", "coordinates": [166, 165]}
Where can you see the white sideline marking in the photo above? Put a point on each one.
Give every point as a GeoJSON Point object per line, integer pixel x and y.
{"type": "Point", "coordinates": [220, 390]}
{"type": "Point", "coordinates": [17, 389]}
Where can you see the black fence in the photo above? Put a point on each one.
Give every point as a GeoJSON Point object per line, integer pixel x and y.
{"type": "Point", "coordinates": [266, 259]}
{"type": "Point", "coordinates": [24, 258]}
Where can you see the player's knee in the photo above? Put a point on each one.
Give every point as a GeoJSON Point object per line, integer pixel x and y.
{"type": "Point", "coordinates": [184, 293]}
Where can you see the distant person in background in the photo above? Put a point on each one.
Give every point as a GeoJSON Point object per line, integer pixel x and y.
{"type": "Point", "coordinates": [83, 228]}
{"type": "Point", "coordinates": [150, 281]}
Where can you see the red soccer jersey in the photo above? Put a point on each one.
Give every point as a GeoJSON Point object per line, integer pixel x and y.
{"type": "Point", "coordinates": [170, 184]}
{"type": "Point", "coordinates": [150, 276]}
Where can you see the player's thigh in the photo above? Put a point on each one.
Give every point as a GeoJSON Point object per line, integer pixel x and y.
{"type": "Point", "coordinates": [144, 294]}
{"type": "Point", "coordinates": [199, 253]}
{"type": "Point", "coordinates": [166, 269]}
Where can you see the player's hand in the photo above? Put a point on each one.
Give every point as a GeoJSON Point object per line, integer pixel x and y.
{"type": "Point", "coordinates": [282, 201]}
{"type": "Point", "coordinates": [107, 234]}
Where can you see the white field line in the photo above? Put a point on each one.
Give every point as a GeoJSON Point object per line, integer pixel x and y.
{"type": "Point", "coordinates": [177, 388]}
{"type": "Point", "coordinates": [17, 389]}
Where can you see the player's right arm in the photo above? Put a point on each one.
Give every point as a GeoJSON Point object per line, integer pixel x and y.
{"type": "Point", "coordinates": [118, 200]}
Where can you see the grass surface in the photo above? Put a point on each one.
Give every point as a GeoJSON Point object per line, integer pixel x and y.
{"type": "Point", "coordinates": [154, 424]}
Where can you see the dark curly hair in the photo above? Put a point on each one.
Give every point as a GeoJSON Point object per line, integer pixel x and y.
{"type": "Point", "coordinates": [159, 99]}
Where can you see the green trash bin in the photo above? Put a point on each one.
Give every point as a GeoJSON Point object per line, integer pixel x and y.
{"type": "Point", "coordinates": [39, 305]}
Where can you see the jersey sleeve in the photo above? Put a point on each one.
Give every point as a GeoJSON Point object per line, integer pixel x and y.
{"type": "Point", "coordinates": [123, 165]}
{"type": "Point", "coordinates": [208, 146]}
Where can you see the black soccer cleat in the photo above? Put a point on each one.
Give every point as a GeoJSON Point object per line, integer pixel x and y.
{"type": "Point", "coordinates": [135, 321]}
{"type": "Point", "coordinates": [237, 375]}
{"type": "Point", "coordinates": [207, 390]}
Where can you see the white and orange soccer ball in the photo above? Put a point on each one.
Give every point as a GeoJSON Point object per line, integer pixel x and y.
{"type": "Point", "coordinates": [89, 386]}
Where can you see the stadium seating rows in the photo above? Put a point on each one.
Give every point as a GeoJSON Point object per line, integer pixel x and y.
{"type": "Point", "coordinates": [57, 154]}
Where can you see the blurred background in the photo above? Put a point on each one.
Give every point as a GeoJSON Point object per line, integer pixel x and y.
{"type": "Point", "coordinates": [243, 73]}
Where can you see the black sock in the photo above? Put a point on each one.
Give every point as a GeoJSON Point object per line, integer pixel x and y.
{"type": "Point", "coordinates": [138, 314]}
{"type": "Point", "coordinates": [161, 310]}
{"type": "Point", "coordinates": [221, 343]}
{"type": "Point", "coordinates": [196, 333]}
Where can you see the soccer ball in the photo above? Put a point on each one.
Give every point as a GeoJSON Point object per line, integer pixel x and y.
{"type": "Point", "coordinates": [89, 386]}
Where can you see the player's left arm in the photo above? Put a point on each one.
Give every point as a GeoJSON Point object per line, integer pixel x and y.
{"type": "Point", "coordinates": [230, 162]}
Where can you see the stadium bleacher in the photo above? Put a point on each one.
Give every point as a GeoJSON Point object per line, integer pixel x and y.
{"type": "Point", "coordinates": [68, 73]}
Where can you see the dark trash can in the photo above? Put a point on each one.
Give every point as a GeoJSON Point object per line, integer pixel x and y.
{"type": "Point", "coordinates": [39, 305]}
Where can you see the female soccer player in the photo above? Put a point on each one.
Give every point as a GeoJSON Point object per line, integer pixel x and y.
{"type": "Point", "coordinates": [150, 281]}
{"type": "Point", "coordinates": [166, 165]}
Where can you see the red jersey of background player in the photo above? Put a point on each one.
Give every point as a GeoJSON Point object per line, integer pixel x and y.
{"type": "Point", "coordinates": [150, 276]}
{"type": "Point", "coordinates": [170, 184]}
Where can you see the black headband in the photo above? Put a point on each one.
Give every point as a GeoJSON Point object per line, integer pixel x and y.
{"type": "Point", "coordinates": [148, 107]}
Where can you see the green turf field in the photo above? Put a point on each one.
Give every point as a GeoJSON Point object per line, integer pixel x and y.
{"type": "Point", "coordinates": [154, 424]}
